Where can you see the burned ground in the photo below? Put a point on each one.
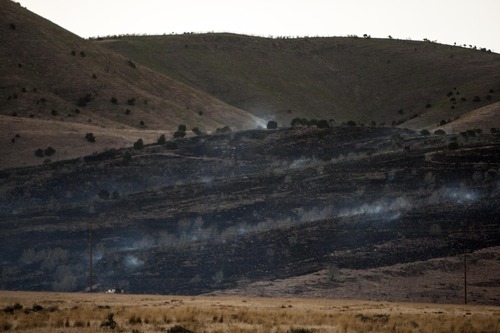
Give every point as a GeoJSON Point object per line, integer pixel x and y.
{"type": "Point", "coordinates": [223, 211]}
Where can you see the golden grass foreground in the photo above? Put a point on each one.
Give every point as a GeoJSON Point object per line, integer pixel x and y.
{"type": "Point", "coordinates": [60, 312]}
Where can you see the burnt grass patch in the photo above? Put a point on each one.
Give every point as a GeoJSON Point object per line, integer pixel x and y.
{"type": "Point", "coordinates": [248, 206]}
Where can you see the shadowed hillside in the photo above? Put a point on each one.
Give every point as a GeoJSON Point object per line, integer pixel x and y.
{"type": "Point", "coordinates": [362, 79]}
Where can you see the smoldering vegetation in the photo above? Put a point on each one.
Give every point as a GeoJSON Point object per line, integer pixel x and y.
{"type": "Point", "coordinates": [210, 212]}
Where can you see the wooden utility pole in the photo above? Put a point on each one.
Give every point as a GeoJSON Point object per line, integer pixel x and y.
{"type": "Point", "coordinates": [465, 276]}
{"type": "Point", "coordinates": [90, 257]}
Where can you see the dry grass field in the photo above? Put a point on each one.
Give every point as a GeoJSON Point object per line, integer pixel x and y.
{"type": "Point", "coordinates": [58, 312]}
{"type": "Point", "coordinates": [20, 137]}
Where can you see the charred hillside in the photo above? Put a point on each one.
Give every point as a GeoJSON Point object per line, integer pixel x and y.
{"type": "Point", "coordinates": [216, 212]}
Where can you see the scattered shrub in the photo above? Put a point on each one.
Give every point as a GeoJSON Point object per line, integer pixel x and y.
{"type": "Point", "coordinates": [351, 123]}
{"type": "Point", "coordinates": [12, 26]}
{"type": "Point", "coordinates": [84, 100]}
{"type": "Point", "coordinates": [131, 64]}
{"type": "Point", "coordinates": [476, 99]}
{"type": "Point", "coordinates": [73, 53]}
{"type": "Point", "coordinates": [442, 122]}
{"type": "Point", "coordinates": [179, 134]}
{"type": "Point", "coordinates": [49, 151]}
{"type": "Point", "coordinates": [131, 101]}
{"type": "Point", "coordinates": [323, 123]}
{"type": "Point", "coordinates": [161, 140]}
{"type": "Point", "coordinates": [39, 152]}
{"type": "Point", "coordinates": [54, 112]}
{"type": "Point", "coordinates": [425, 132]}
{"type": "Point", "coordinates": [127, 111]}
{"type": "Point", "coordinates": [139, 144]}
{"type": "Point", "coordinates": [272, 124]}
{"type": "Point", "coordinates": [471, 133]}
{"type": "Point", "coordinates": [142, 123]}
{"type": "Point", "coordinates": [182, 128]}
{"type": "Point", "coordinates": [200, 113]}
{"type": "Point", "coordinates": [298, 122]}
{"type": "Point", "coordinates": [94, 76]}
{"type": "Point", "coordinates": [90, 137]}
{"type": "Point", "coordinates": [439, 132]}
{"type": "Point", "coordinates": [428, 106]}
{"type": "Point", "coordinates": [82, 54]}
{"type": "Point", "coordinates": [114, 100]}
{"type": "Point", "coordinates": [225, 129]}
{"type": "Point", "coordinates": [36, 308]}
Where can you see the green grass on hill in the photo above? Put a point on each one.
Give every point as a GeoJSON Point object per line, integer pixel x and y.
{"type": "Point", "coordinates": [362, 79]}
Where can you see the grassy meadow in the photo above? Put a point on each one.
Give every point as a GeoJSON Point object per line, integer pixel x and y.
{"type": "Point", "coordinates": [60, 312]}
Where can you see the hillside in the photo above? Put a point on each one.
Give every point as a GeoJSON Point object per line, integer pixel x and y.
{"type": "Point", "coordinates": [48, 73]}
{"type": "Point", "coordinates": [133, 87]}
{"type": "Point", "coordinates": [362, 79]}
{"type": "Point", "coordinates": [347, 208]}
{"type": "Point", "coordinates": [220, 212]}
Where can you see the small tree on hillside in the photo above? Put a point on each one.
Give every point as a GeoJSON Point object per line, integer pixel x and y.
{"type": "Point", "coordinates": [179, 134]}
{"type": "Point", "coordinates": [161, 140]}
{"type": "Point", "coordinates": [323, 123]}
{"type": "Point", "coordinates": [296, 122]}
{"type": "Point", "coordinates": [139, 144]}
{"type": "Point", "coordinates": [425, 132]}
{"type": "Point", "coordinates": [39, 152]}
{"type": "Point", "coordinates": [49, 151]}
{"type": "Point", "coordinates": [225, 129]}
{"type": "Point", "coordinates": [272, 124]}
{"type": "Point", "coordinates": [90, 137]}
{"type": "Point", "coordinates": [439, 132]}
